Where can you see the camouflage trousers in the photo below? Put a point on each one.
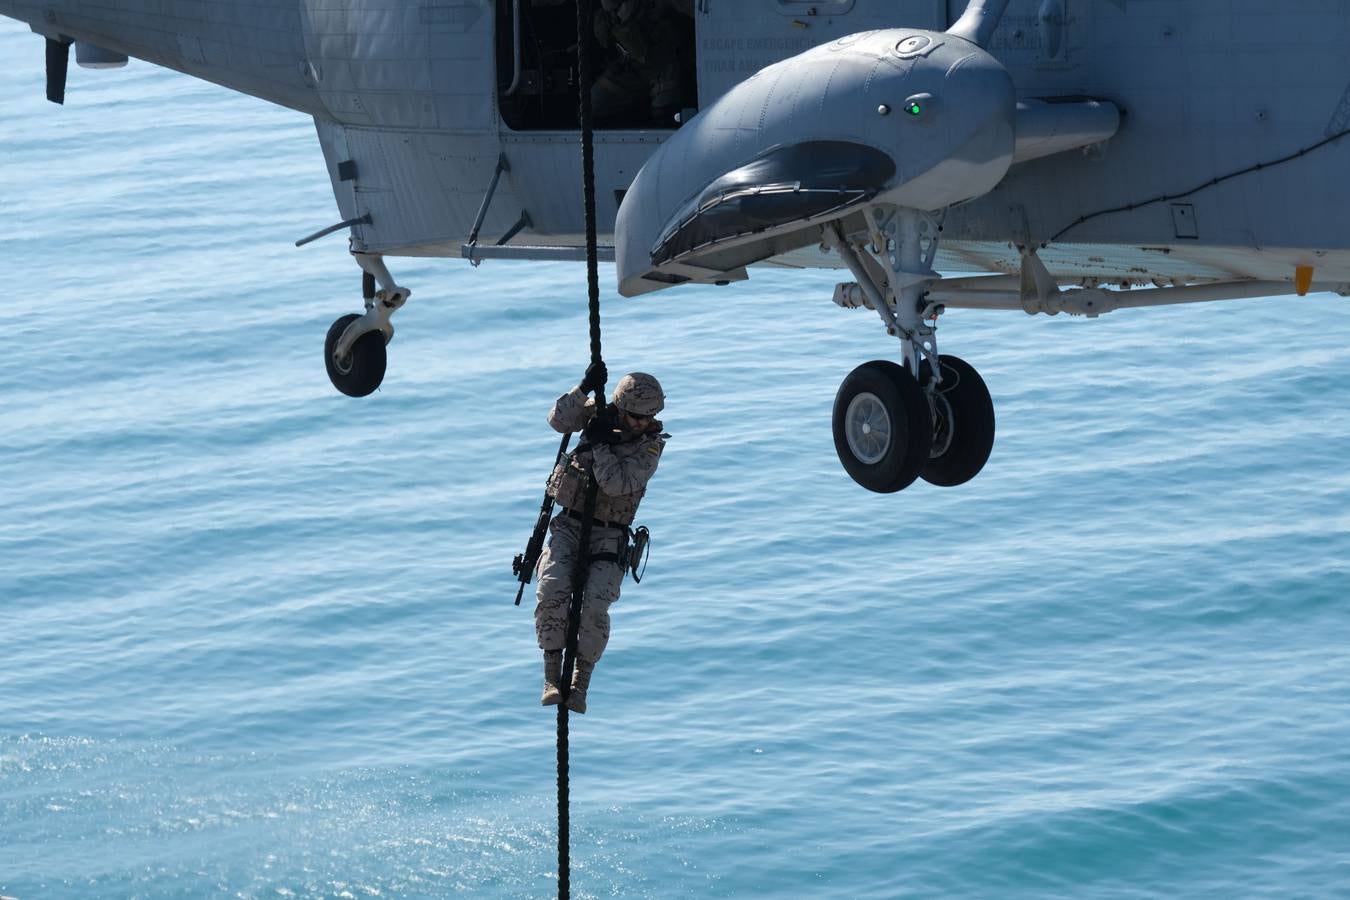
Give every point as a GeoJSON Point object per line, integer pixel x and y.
{"type": "Point", "coordinates": [554, 596]}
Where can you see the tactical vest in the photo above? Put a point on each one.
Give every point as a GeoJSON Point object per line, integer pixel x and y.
{"type": "Point", "coordinates": [568, 481]}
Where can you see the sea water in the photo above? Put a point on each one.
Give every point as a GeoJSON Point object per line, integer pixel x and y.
{"type": "Point", "coordinates": [257, 638]}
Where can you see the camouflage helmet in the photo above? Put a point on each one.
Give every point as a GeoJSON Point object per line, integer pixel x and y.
{"type": "Point", "coordinates": [640, 394]}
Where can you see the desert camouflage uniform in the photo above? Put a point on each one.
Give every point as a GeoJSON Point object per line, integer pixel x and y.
{"type": "Point", "coordinates": [621, 471]}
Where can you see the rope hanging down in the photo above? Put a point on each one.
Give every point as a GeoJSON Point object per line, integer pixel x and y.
{"type": "Point", "coordinates": [585, 31]}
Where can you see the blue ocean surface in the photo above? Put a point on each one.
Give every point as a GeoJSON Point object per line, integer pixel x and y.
{"type": "Point", "coordinates": [257, 638]}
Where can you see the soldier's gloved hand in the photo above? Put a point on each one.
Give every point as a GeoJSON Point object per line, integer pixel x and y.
{"type": "Point", "coordinates": [600, 429]}
{"type": "Point", "coordinates": [596, 376]}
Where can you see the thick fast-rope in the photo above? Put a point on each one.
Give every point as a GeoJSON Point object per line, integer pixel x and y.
{"type": "Point", "coordinates": [584, 81]}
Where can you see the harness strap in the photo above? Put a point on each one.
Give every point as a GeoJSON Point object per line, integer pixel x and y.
{"type": "Point", "coordinates": [600, 523]}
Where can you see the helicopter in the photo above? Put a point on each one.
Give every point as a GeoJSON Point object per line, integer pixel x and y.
{"type": "Point", "coordinates": [1041, 156]}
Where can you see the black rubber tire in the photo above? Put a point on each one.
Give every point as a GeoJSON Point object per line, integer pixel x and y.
{"type": "Point", "coordinates": [900, 457]}
{"type": "Point", "coordinates": [363, 370]}
{"type": "Point", "coordinates": [963, 409]}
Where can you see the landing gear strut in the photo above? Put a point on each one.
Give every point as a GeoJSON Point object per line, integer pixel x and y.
{"type": "Point", "coordinates": [354, 350]}
{"type": "Point", "coordinates": [931, 417]}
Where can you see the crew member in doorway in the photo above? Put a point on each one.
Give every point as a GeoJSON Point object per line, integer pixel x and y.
{"type": "Point", "coordinates": [650, 72]}
{"type": "Point", "coordinates": [622, 447]}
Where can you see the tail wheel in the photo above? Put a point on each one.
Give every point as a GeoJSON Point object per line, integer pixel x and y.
{"type": "Point", "coordinates": [883, 431]}
{"type": "Point", "coordinates": [359, 372]}
{"type": "Point", "coordinates": [963, 423]}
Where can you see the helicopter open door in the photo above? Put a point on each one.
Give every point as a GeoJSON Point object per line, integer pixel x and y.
{"type": "Point", "coordinates": [645, 67]}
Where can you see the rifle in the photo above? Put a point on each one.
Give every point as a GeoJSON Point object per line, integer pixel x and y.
{"type": "Point", "coordinates": [524, 563]}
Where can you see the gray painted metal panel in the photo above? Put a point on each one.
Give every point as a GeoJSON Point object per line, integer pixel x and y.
{"type": "Point", "coordinates": [1208, 88]}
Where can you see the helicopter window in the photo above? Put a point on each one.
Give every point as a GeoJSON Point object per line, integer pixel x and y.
{"type": "Point", "coordinates": [644, 65]}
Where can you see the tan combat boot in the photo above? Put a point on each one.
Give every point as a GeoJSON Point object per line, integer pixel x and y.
{"type": "Point", "coordinates": [581, 679]}
{"type": "Point", "coordinates": [552, 678]}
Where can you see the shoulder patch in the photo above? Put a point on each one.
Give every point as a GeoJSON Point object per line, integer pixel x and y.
{"type": "Point", "coordinates": [654, 450]}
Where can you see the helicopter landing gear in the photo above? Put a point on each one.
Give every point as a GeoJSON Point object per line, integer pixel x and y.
{"type": "Point", "coordinates": [882, 429]}
{"type": "Point", "coordinates": [931, 417]}
{"type": "Point", "coordinates": [963, 423]}
{"type": "Point", "coordinates": [354, 350]}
